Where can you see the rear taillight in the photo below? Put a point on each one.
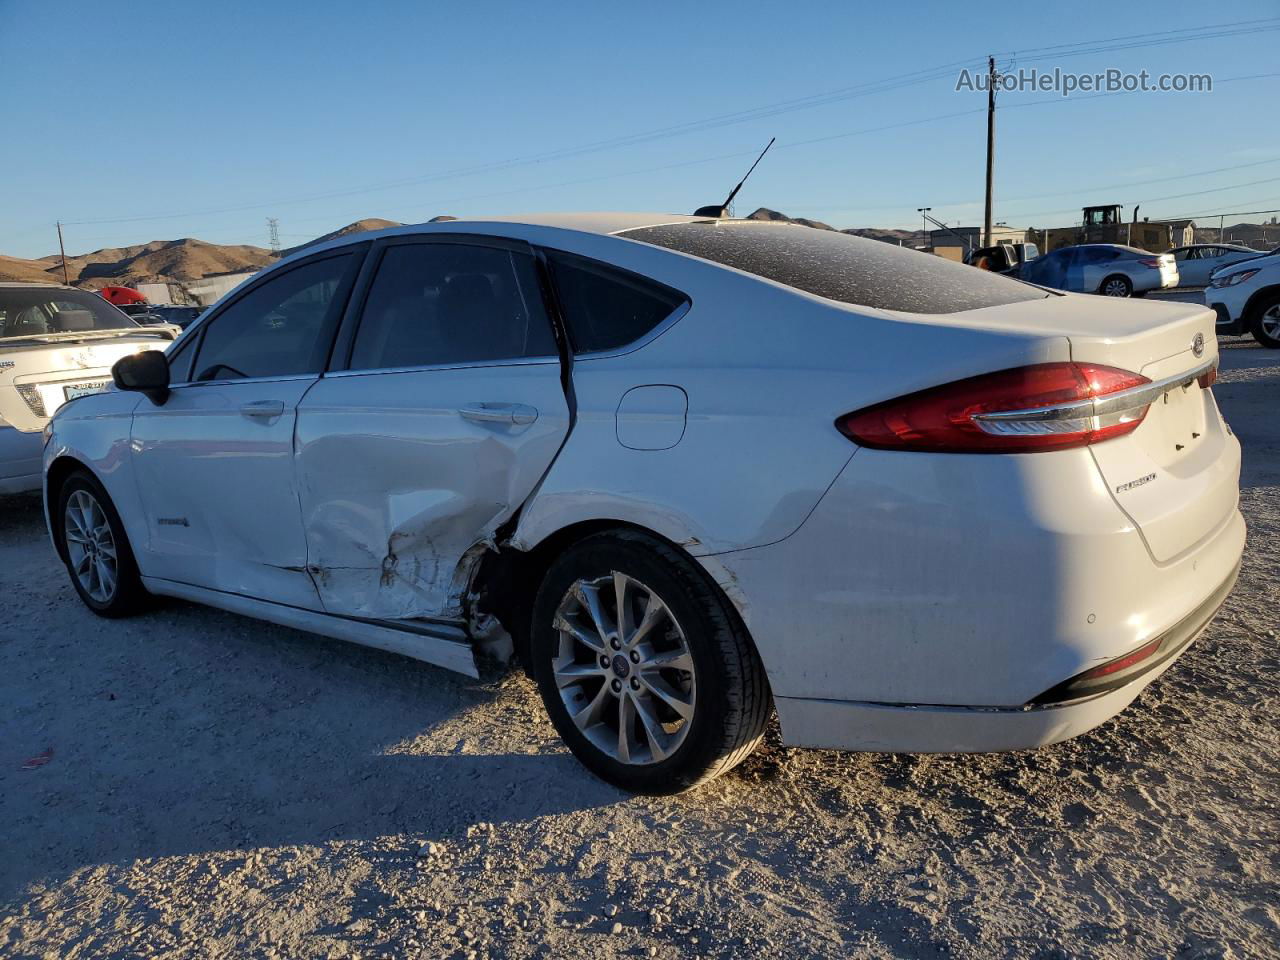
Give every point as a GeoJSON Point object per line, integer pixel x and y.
{"type": "Point", "coordinates": [1123, 663]}
{"type": "Point", "coordinates": [1048, 406]}
{"type": "Point", "coordinates": [1208, 378]}
{"type": "Point", "coordinates": [1150, 263]}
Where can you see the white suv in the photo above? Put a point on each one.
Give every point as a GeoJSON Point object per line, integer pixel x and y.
{"type": "Point", "coordinates": [1246, 298]}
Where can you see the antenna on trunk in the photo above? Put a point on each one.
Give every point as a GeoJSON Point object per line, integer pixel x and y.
{"type": "Point", "coordinates": [723, 209]}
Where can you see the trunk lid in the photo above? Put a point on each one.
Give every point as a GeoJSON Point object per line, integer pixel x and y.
{"type": "Point", "coordinates": [1177, 477]}
{"type": "Point", "coordinates": [36, 377]}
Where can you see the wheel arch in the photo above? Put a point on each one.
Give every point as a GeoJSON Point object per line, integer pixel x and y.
{"type": "Point", "coordinates": [506, 579]}
{"type": "Point", "coordinates": [1254, 304]}
{"type": "Point", "coordinates": [1102, 284]}
{"type": "Point", "coordinates": [55, 476]}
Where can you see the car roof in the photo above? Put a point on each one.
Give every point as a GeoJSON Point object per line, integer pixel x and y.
{"type": "Point", "coordinates": [599, 224]}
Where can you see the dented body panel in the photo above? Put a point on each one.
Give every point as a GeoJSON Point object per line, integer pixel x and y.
{"type": "Point", "coordinates": [397, 485]}
{"type": "Point", "coordinates": [219, 489]}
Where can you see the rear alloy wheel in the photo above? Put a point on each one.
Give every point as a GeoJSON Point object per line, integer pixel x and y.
{"type": "Point", "coordinates": [643, 665]}
{"type": "Point", "coordinates": [1116, 285]}
{"type": "Point", "coordinates": [96, 550]}
{"type": "Point", "coordinates": [1266, 325]}
{"type": "Point", "coordinates": [623, 670]}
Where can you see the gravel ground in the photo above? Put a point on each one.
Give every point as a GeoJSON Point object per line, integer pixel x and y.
{"type": "Point", "coordinates": [220, 787]}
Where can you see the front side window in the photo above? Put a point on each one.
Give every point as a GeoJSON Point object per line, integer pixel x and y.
{"type": "Point", "coordinates": [604, 308]}
{"type": "Point", "coordinates": [439, 304]}
{"type": "Point", "coordinates": [281, 328]}
{"type": "Point", "coordinates": [838, 266]}
{"type": "Point", "coordinates": [179, 358]}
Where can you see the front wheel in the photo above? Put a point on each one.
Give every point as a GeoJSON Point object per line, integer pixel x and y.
{"type": "Point", "coordinates": [1116, 285]}
{"type": "Point", "coordinates": [643, 665]}
{"type": "Point", "coordinates": [96, 551]}
{"type": "Point", "coordinates": [1266, 324]}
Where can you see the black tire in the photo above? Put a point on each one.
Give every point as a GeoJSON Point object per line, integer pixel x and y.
{"type": "Point", "coordinates": [127, 596]}
{"type": "Point", "coordinates": [1117, 282]}
{"type": "Point", "coordinates": [1267, 314]}
{"type": "Point", "coordinates": [732, 702]}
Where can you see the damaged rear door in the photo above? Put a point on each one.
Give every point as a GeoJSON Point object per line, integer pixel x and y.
{"type": "Point", "coordinates": [446, 410]}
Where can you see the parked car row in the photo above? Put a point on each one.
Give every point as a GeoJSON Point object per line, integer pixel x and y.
{"type": "Point", "coordinates": [1109, 269]}
{"type": "Point", "coordinates": [699, 469]}
{"type": "Point", "coordinates": [1112, 270]}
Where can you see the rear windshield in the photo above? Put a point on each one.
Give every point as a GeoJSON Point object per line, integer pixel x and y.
{"type": "Point", "coordinates": [839, 266]}
{"type": "Point", "coordinates": [36, 312]}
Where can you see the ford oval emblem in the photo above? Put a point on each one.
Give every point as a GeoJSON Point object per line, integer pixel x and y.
{"type": "Point", "coordinates": [1197, 345]}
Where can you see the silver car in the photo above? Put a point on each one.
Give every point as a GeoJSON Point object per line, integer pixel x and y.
{"type": "Point", "coordinates": [1110, 269]}
{"type": "Point", "coordinates": [56, 343]}
{"type": "Point", "coordinates": [1197, 262]}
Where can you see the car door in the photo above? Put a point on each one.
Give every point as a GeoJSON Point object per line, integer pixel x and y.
{"type": "Point", "coordinates": [445, 409]}
{"type": "Point", "coordinates": [1194, 270]}
{"type": "Point", "coordinates": [215, 462]}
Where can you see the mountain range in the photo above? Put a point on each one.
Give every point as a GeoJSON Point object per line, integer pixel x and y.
{"type": "Point", "coordinates": [191, 259]}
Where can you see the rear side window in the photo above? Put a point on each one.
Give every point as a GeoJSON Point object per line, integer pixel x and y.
{"type": "Point", "coordinates": [435, 304]}
{"type": "Point", "coordinates": [604, 308]}
{"type": "Point", "coordinates": [283, 327]}
{"type": "Point", "coordinates": [838, 266]}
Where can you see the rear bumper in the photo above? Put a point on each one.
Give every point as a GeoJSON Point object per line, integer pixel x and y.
{"type": "Point", "coordinates": [955, 582]}
{"type": "Point", "coordinates": [20, 460]}
{"type": "Point", "coordinates": [904, 728]}
{"type": "Point", "coordinates": [891, 728]}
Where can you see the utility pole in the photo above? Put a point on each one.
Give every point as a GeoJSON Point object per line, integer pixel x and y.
{"type": "Point", "coordinates": [924, 224]}
{"type": "Point", "coordinates": [273, 225]}
{"type": "Point", "coordinates": [63, 250]}
{"type": "Point", "coordinates": [991, 146]}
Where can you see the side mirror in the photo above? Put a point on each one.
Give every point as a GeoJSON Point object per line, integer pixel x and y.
{"type": "Point", "coordinates": [146, 372]}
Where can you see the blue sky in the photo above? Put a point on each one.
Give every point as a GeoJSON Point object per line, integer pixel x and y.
{"type": "Point", "coordinates": [154, 119]}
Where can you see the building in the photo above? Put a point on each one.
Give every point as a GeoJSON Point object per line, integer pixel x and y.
{"type": "Point", "coordinates": [971, 237]}
{"type": "Point", "coordinates": [1182, 232]}
{"type": "Point", "coordinates": [211, 289]}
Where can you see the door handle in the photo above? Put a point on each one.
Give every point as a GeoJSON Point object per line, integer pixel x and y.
{"type": "Point", "coordinates": [519, 414]}
{"type": "Point", "coordinates": [262, 409]}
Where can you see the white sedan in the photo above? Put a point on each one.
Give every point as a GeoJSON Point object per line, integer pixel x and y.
{"type": "Point", "coordinates": [691, 471]}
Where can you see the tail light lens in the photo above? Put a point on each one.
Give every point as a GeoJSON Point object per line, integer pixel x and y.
{"type": "Point", "coordinates": [1048, 406]}
{"type": "Point", "coordinates": [1150, 263]}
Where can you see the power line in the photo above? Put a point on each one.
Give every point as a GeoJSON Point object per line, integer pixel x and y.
{"type": "Point", "coordinates": [867, 88]}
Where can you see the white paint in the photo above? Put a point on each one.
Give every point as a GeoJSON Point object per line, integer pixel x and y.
{"type": "Point", "coordinates": [864, 576]}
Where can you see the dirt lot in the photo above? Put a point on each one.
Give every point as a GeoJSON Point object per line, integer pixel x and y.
{"type": "Point", "coordinates": [218, 787]}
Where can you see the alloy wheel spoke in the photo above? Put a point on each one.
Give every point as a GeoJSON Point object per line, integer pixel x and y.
{"type": "Point", "coordinates": [626, 721]}
{"type": "Point", "coordinates": [654, 613]}
{"type": "Point", "coordinates": [592, 712]}
{"type": "Point", "coordinates": [622, 607]}
{"type": "Point", "coordinates": [83, 564]}
{"type": "Point", "coordinates": [590, 596]}
{"type": "Point", "coordinates": [563, 624]}
{"type": "Point", "coordinates": [657, 686]}
{"type": "Point", "coordinates": [657, 737]}
{"type": "Point", "coordinates": [570, 673]}
{"type": "Point", "coordinates": [106, 577]}
{"type": "Point", "coordinates": [678, 659]}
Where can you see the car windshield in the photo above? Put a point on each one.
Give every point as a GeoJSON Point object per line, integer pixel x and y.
{"type": "Point", "coordinates": [34, 312]}
{"type": "Point", "coordinates": [838, 266]}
